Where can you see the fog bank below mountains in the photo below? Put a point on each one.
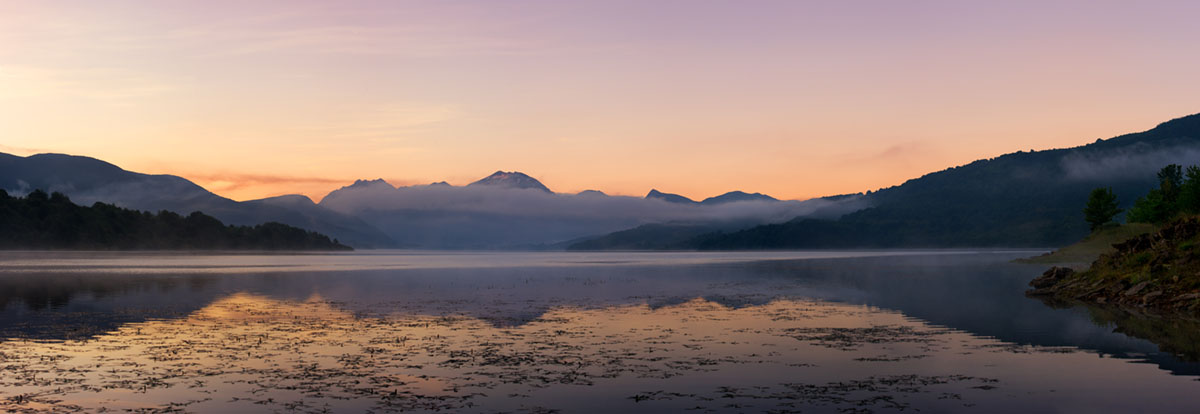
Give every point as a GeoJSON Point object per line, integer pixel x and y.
{"type": "Point", "coordinates": [507, 210]}
{"type": "Point", "coordinates": [478, 216]}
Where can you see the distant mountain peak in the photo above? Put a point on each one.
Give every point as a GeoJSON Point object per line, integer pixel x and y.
{"type": "Point", "coordinates": [290, 199]}
{"type": "Point", "coordinates": [596, 193]}
{"type": "Point", "coordinates": [369, 183]}
{"type": "Point", "coordinates": [735, 196]}
{"type": "Point", "coordinates": [668, 197]}
{"type": "Point", "coordinates": [512, 179]}
{"type": "Point", "coordinates": [376, 186]}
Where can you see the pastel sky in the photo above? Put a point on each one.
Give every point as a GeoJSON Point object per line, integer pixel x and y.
{"type": "Point", "coordinates": [791, 98]}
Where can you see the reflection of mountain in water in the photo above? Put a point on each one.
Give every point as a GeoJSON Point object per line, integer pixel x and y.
{"type": "Point", "coordinates": [980, 294]}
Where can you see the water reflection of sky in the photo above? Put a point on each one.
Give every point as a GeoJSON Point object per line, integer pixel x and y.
{"type": "Point", "coordinates": [640, 332]}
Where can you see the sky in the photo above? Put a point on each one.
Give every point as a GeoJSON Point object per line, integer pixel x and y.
{"type": "Point", "coordinates": [795, 99]}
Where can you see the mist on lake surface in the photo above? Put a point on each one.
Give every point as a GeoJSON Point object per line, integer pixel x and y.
{"type": "Point", "coordinates": [859, 331]}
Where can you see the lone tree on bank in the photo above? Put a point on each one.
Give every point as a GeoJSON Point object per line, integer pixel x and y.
{"type": "Point", "coordinates": [1101, 208]}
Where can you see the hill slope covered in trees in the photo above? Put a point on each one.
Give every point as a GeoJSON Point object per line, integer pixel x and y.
{"type": "Point", "coordinates": [1019, 199]}
{"type": "Point", "coordinates": [1159, 269]}
{"type": "Point", "coordinates": [42, 221]}
{"type": "Point", "coordinates": [87, 180]}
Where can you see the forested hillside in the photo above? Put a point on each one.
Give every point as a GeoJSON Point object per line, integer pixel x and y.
{"type": "Point", "coordinates": [52, 221]}
{"type": "Point", "coordinates": [1019, 199]}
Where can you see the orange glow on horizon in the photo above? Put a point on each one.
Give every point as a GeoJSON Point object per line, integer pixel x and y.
{"type": "Point", "coordinates": [791, 99]}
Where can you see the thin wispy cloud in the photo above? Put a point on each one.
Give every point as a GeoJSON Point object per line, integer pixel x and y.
{"type": "Point", "coordinates": [225, 183]}
{"type": "Point", "coordinates": [614, 95]}
{"type": "Point", "coordinates": [381, 124]}
{"type": "Point", "coordinates": [108, 84]}
{"type": "Point", "coordinates": [301, 29]}
{"type": "Point", "coordinates": [22, 151]}
{"type": "Point", "coordinates": [357, 40]}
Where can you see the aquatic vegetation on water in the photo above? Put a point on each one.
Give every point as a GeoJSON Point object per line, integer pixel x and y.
{"type": "Point", "coordinates": [248, 351]}
{"type": "Point", "coordinates": [709, 338]}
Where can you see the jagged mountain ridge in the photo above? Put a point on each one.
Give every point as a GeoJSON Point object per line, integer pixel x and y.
{"type": "Point", "coordinates": [730, 197]}
{"type": "Point", "coordinates": [736, 196]}
{"type": "Point", "coordinates": [512, 179]}
{"type": "Point", "coordinates": [372, 213]}
{"type": "Point", "coordinates": [488, 214]}
{"type": "Point", "coordinates": [654, 194]}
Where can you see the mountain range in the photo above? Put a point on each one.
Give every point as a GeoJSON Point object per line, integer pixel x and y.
{"type": "Point", "coordinates": [512, 210]}
{"type": "Point", "coordinates": [1019, 199]}
{"type": "Point", "coordinates": [730, 197]}
{"type": "Point", "coordinates": [88, 180]}
{"type": "Point", "coordinates": [505, 210]}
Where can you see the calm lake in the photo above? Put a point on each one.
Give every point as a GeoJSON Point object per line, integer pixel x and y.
{"type": "Point", "coordinates": [390, 331]}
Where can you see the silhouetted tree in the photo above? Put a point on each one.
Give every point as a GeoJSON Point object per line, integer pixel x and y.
{"type": "Point", "coordinates": [1189, 192]}
{"type": "Point", "coordinates": [1170, 179]}
{"type": "Point", "coordinates": [1101, 208]}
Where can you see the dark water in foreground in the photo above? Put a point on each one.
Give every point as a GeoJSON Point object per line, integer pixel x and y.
{"type": "Point", "coordinates": [605, 332]}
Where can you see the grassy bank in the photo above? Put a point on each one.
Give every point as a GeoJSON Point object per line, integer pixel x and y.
{"type": "Point", "coordinates": [1156, 270]}
{"type": "Point", "coordinates": [1081, 254]}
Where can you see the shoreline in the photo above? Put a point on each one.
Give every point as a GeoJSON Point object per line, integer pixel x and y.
{"type": "Point", "coordinates": [1158, 270]}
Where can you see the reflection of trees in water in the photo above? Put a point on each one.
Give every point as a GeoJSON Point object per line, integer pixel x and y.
{"type": "Point", "coordinates": [71, 306]}
{"type": "Point", "coordinates": [1175, 333]}
{"type": "Point", "coordinates": [53, 291]}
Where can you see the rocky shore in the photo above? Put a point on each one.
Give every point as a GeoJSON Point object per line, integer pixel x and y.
{"type": "Point", "coordinates": [1159, 270]}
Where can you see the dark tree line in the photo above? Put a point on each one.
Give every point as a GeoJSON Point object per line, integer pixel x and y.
{"type": "Point", "coordinates": [1178, 193]}
{"type": "Point", "coordinates": [51, 221]}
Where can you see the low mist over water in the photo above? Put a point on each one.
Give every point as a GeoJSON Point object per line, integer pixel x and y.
{"type": "Point", "coordinates": [580, 332]}
{"type": "Point", "coordinates": [599, 207]}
